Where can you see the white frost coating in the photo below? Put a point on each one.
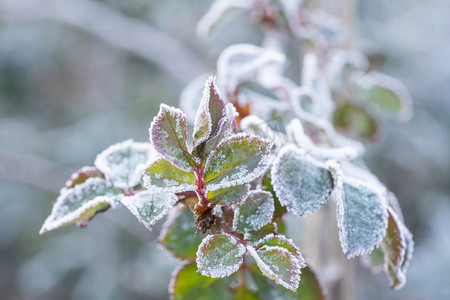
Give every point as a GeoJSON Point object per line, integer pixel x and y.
{"type": "Point", "coordinates": [160, 184]}
{"type": "Point", "coordinates": [392, 84]}
{"type": "Point", "coordinates": [173, 279]}
{"type": "Point", "coordinates": [149, 207]}
{"type": "Point", "coordinates": [301, 183]}
{"type": "Point", "coordinates": [243, 173]}
{"type": "Point", "coordinates": [123, 163]}
{"type": "Point", "coordinates": [313, 78]}
{"type": "Point", "coordinates": [191, 96]}
{"type": "Point", "coordinates": [254, 212]}
{"type": "Point", "coordinates": [72, 203]}
{"type": "Point", "coordinates": [221, 260]}
{"type": "Point", "coordinates": [296, 133]}
{"type": "Point", "coordinates": [271, 271]}
{"type": "Point", "coordinates": [240, 62]}
{"type": "Point", "coordinates": [224, 129]}
{"type": "Point", "coordinates": [216, 12]}
{"type": "Point", "coordinates": [362, 217]}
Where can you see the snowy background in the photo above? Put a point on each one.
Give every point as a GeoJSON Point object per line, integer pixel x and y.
{"type": "Point", "coordinates": [77, 76]}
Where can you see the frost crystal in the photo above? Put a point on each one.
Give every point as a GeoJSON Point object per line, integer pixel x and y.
{"type": "Point", "coordinates": [254, 212]}
{"type": "Point", "coordinates": [219, 255]}
{"type": "Point", "coordinates": [149, 207]}
{"type": "Point", "coordinates": [237, 160]}
{"type": "Point", "coordinates": [81, 203]}
{"type": "Point", "coordinates": [272, 240]}
{"type": "Point", "coordinates": [301, 183]}
{"type": "Point", "coordinates": [124, 162]}
{"type": "Point", "coordinates": [362, 217]}
{"type": "Point", "coordinates": [229, 195]}
{"type": "Point", "coordinates": [279, 264]}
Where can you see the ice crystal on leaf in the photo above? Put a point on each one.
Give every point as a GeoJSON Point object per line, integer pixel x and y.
{"type": "Point", "coordinates": [230, 195]}
{"type": "Point", "coordinates": [149, 207]}
{"type": "Point", "coordinates": [254, 212]}
{"type": "Point", "coordinates": [236, 160]}
{"type": "Point", "coordinates": [168, 137]}
{"type": "Point", "coordinates": [219, 255]}
{"type": "Point", "coordinates": [123, 163]}
{"type": "Point", "coordinates": [301, 183]}
{"type": "Point", "coordinates": [279, 264]}
{"type": "Point", "coordinates": [81, 203]}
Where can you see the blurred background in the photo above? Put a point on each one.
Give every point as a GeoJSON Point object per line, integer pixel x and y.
{"type": "Point", "coordinates": [77, 76]}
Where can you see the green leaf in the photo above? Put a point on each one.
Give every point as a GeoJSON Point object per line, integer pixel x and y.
{"type": "Point", "coordinates": [375, 259]}
{"type": "Point", "coordinates": [301, 183]}
{"type": "Point", "coordinates": [267, 186]}
{"type": "Point", "coordinates": [123, 163]}
{"type": "Point", "coordinates": [179, 236]}
{"type": "Point", "coordinates": [397, 248]}
{"type": "Point", "coordinates": [278, 264]}
{"type": "Point", "coordinates": [362, 217]}
{"type": "Point", "coordinates": [188, 284]}
{"type": "Point", "coordinates": [168, 137]}
{"type": "Point", "coordinates": [254, 212]}
{"type": "Point", "coordinates": [209, 113]}
{"type": "Point", "coordinates": [387, 94]}
{"type": "Point", "coordinates": [230, 195]}
{"type": "Point", "coordinates": [81, 203]}
{"type": "Point", "coordinates": [308, 289]}
{"type": "Point", "coordinates": [82, 175]}
{"type": "Point", "coordinates": [219, 255]}
{"type": "Point", "coordinates": [149, 207]}
{"type": "Point", "coordinates": [355, 121]}
{"type": "Point", "coordinates": [237, 160]}
{"type": "Point", "coordinates": [163, 176]}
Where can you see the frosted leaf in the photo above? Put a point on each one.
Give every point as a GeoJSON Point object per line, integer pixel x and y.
{"type": "Point", "coordinates": [149, 207]}
{"type": "Point", "coordinates": [386, 94]}
{"type": "Point", "coordinates": [124, 162]}
{"type": "Point", "coordinates": [374, 261]}
{"type": "Point", "coordinates": [313, 78]}
{"type": "Point", "coordinates": [217, 12]}
{"type": "Point", "coordinates": [240, 62]}
{"type": "Point", "coordinates": [163, 176]}
{"type": "Point", "coordinates": [219, 255]}
{"type": "Point", "coordinates": [209, 113]}
{"type": "Point", "coordinates": [168, 137]}
{"type": "Point", "coordinates": [362, 217]}
{"type": "Point", "coordinates": [237, 160]}
{"type": "Point", "coordinates": [178, 235]}
{"type": "Point", "coordinates": [230, 195]}
{"type": "Point", "coordinates": [81, 203]}
{"type": "Point", "coordinates": [397, 247]}
{"type": "Point", "coordinates": [82, 175]}
{"type": "Point", "coordinates": [191, 97]}
{"type": "Point", "coordinates": [296, 134]}
{"type": "Point", "coordinates": [355, 121]}
{"type": "Point", "coordinates": [272, 240]}
{"type": "Point", "coordinates": [301, 183]}
{"type": "Point", "coordinates": [225, 129]}
{"type": "Point", "coordinates": [188, 284]}
{"type": "Point", "coordinates": [278, 264]}
{"type": "Point", "coordinates": [254, 212]}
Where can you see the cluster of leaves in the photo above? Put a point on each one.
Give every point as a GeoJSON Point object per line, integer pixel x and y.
{"type": "Point", "coordinates": [227, 190]}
